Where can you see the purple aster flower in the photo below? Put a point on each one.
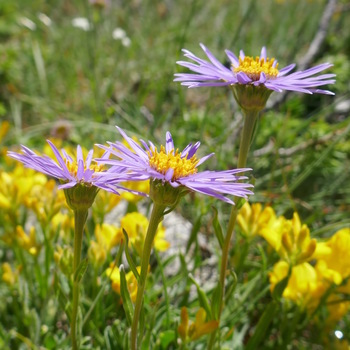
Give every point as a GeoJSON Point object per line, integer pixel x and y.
{"type": "Point", "coordinates": [257, 71]}
{"type": "Point", "coordinates": [170, 166]}
{"type": "Point", "coordinates": [70, 172]}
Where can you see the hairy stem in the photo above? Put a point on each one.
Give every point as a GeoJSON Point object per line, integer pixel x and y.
{"type": "Point", "coordinates": [80, 219]}
{"type": "Point", "coordinates": [246, 138]}
{"type": "Point", "coordinates": [156, 218]}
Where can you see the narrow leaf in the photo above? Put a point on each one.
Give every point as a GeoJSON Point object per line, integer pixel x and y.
{"type": "Point", "coordinates": [202, 297]}
{"type": "Point", "coordinates": [127, 303]}
{"type": "Point", "coordinates": [262, 326]}
{"type": "Point", "coordinates": [131, 262]}
{"type": "Point", "coordinates": [217, 228]}
{"type": "Point", "coordinates": [232, 286]}
{"type": "Point", "coordinates": [78, 275]}
{"type": "Point", "coordinates": [216, 299]}
{"type": "Point", "coordinates": [194, 233]}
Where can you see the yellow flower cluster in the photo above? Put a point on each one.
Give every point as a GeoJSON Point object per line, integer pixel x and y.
{"type": "Point", "coordinates": [10, 276]}
{"type": "Point", "coordinates": [309, 283]}
{"type": "Point", "coordinates": [252, 218]}
{"type": "Point", "coordinates": [289, 238]}
{"type": "Point", "coordinates": [313, 266]}
{"type": "Point", "coordinates": [108, 236]}
{"type": "Point", "coordinates": [192, 331]}
{"type": "Point", "coordinates": [114, 274]}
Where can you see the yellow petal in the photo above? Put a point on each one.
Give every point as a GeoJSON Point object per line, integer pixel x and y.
{"type": "Point", "coordinates": [200, 317]}
{"type": "Point", "coordinates": [205, 329]}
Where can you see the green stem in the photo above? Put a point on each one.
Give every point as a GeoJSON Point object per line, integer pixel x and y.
{"type": "Point", "coordinates": [245, 142]}
{"type": "Point", "coordinates": [246, 136]}
{"type": "Point", "coordinates": [80, 219]}
{"type": "Point", "coordinates": [156, 218]}
{"type": "Point", "coordinates": [166, 296]}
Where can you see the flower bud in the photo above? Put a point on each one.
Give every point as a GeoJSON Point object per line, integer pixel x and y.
{"type": "Point", "coordinates": [251, 97]}
{"type": "Point", "coordinates": [80, 196]}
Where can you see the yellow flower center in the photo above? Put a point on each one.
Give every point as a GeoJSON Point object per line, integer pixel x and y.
{"type": "Point", "coordinates": [253, 67]}
{"type": "Point", "coordinates": [162, 162]}
{"type": "Point", "coordinates": [73, 167]}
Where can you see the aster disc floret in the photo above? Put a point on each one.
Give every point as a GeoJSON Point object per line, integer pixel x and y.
{"type": "Point", "coordinates": [258, 71]}
{"type": "Point", "coordinates": [170, 167]}
{"type": "Point", "coordinates": [69, 171]}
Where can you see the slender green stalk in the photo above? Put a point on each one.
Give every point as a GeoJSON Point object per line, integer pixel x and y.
{"type": "Point", "coordinates": [156, 218]}
{"type": "Point", "coordinates": [245, 142]}
{"type": "Point", "coordinates": [246, 136]}
{"type": "Point", "coordinates": [166, 296]}
{"type": "Point", "coordinates": [80, 219]}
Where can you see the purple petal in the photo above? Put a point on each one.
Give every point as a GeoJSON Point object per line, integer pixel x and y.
{"type": "Point", "coordinates": [232, 57]}
{"type": "Point", "coordinates": [243, 78]}
{"type": "Point", "coordinates": [169, 144]}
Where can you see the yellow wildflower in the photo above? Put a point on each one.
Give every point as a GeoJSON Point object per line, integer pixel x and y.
{"type": "Point", "coordinates": [9, 276]}
{"type": "Point", "coordinates": [4, 128]}
{"type": "Point", "coordinates": [114, 274]}
{"type": "Point", "coordinates": [290, 239]}
{"type": "Point", "coordinates": [305, 286]}
{"type": "Point", "coordinates": [332, 258]}
{"type": "Point", "coordinates": [339, 344]}
{"type": "Point", "coordinates": [135, 224]}
{"type": "Point", "coordinates": [5, 202]}
{"type": "Point", "coordinates": [46, 201]}
{"type": "Point", "coordinates": [329, 274]}
{"type": "Point", "coordinates": [64, 259]}
{"type": "Point", "coordinates": [104, 202]}
{"type": "Point", "coordinates": [198, 328]}
{"type": "Point", "coordinates": [64, 222]}
{"type": "Point", "coordinates": [252, 218]}
{"type": "Point", "coordinates": [337, 309]}
{"type": "Point", "coordinates": [107, 236]}
{"type": "Point", "coordinates": [27, 241]}
{"type": "Point", "coordinates": [140, 186]}
{"type": "Point", "coordinates": [17, 185]}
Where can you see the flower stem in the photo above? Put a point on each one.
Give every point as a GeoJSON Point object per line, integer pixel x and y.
{"type": "Point", "coordinates": [156, 218]}
{"type": "Point", "coordinates": [246, 136]}
{"type": "Point", "coordinates": [80, 219]}
{"type": "Point", "coordinates": [245, 142]}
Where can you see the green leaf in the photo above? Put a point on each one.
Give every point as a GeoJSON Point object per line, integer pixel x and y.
{"type": "Point", "coordinates": [232, 285]}
{"type": "Point", "coordinates": [126, 340]}
{"type": "Point", "coordinates": [166, 338]}
{"type": "Point", "coordinates": [100, 293]}
{"type": "Point", "coordinates": [107, 335]}
{"type": "Point", "coordinates": [128, 256]}
{"type": "Point", "coordinates": [216, 300]}
{"type": "Point", "coordinates": [262, 326]}
{"type": "Point", "coordinates": [217, 228]}
{"type": "Point", "coordinates": [194, 232]}
{"type": "Point", "coordinates": [127, 303]}
{"type": "Point", "coordinates": [78, 275]}
{"type": "Point", "coordinates": [63, 299]}
{"type": "Point", "coordinates": [202, 297]}
{"type": "Point", "coordinates": [119, 254]}
{"type": "Point", "coordinates": [142, 322]}
{"type": "Point", "coordinates": [240, 201]}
